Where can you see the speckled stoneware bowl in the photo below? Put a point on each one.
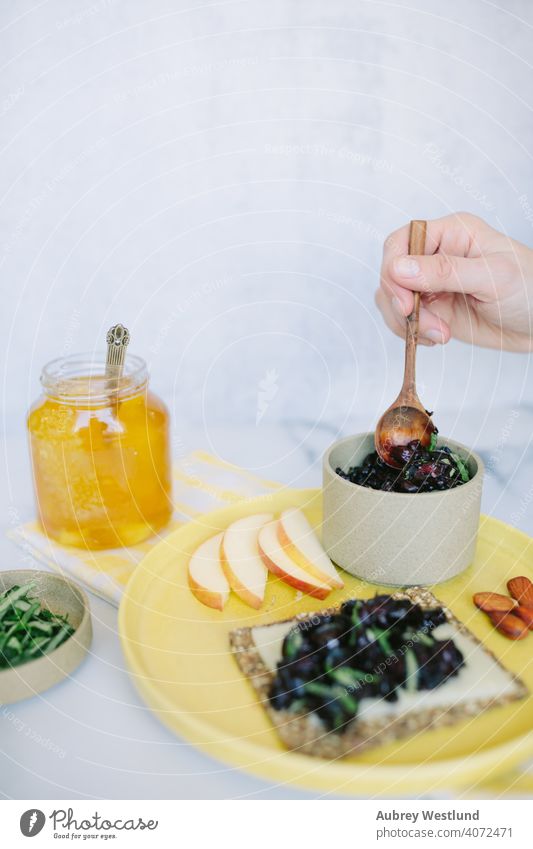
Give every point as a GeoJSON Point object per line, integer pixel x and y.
{"type": "Point", "coordinates": [60, 596]}
{"type": "Point", "coordinates": [396, 538]}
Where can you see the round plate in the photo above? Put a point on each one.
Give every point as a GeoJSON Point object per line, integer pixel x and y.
{"type": "Point", "coordinates": [178, 654]}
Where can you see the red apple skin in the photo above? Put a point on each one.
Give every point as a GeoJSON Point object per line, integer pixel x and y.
{"type": "Point", "coordinates": [308, 589]}
{"type": "Point", "coordinates": [207, 597]}
{"type": "Point", "coordinates": [243, 592]}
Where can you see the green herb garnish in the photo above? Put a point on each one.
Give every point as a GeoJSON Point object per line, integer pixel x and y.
{"type": "Point", "coordinates": [28, 630]}
{"type": "Point", "coordinates": [356, 619]}
{"type": "Point", "coordinates": [411, 671]}
{"type": "Point", "coordinates": [333, 694]}
{"type": "Point", "coordinates": [463, 468]}
{"type": "Point", "coordinates": [293, 642]}
{"type": "Point", "coordinates": [367, 649]}
{"type": "Point", "coordinates": [350, 677]}
{"type": "Point", "coordinates": [381, 637]}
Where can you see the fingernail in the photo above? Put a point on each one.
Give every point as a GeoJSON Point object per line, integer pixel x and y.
{"type": "Point", "coordinates": [434, 336]}
{"type": "Point", "coordinates": [405, 266]}
{"type": "Point", "coordinates": [398, 307]}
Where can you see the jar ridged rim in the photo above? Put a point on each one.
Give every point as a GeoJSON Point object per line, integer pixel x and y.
{"type": "Point", "coordinates": [58, 378]}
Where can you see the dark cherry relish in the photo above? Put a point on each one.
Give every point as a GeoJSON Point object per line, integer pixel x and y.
{"type": "Point", "coordinates": [424, 470]}
{"type": "Point", "coordinates": [368, 649]}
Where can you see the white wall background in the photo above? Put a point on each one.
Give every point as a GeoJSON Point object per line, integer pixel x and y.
{"type": "Point", "coordinates": [220, 176]}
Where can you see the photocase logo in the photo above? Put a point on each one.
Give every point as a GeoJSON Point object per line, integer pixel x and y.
{"type": "Point", "coordinates": [32, 822]}
{"type": "Point", "coordinates": [266, 392]}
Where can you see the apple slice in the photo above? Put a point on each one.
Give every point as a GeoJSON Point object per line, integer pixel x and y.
{"type": "Point", "coordinates": [241, 562]}
{"type": "Point", "coordinates": [302, 544]}
{"type": "Point", "coordinates": [279, 563]}
{"type": "Point", "coordinates": [206, 578]}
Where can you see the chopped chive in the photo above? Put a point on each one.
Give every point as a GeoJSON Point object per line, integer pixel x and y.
{"type": "Point", "coordinates": [43, 627]}
{"type": "Point", "coordinates": [37, 645]}
{"type": "Point", "coordinates": [356, 619]}
{"type": "Point", "coordinates": [59, 637]}
{"type": "Point", "coordinates": [317, 689]}
{"type": "Point", "coordinates": [411, 671]}
{"type": "Point", "coordinates": [10, 598]}
{"type": "Point", "coordinates": [463, 469]}
{"type": "Point", "coordinates": [349, 703]}
{"type": "Point", "coordinates": [381, 637]}
{"type": "Point", "coordinates": [26, 628]}
{"type": "Point", "coordinates": [32, 608]}
{"type": "Point", "coordinates": [349, 677]}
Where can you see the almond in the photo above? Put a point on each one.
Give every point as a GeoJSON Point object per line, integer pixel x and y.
{"type": "Point", "coordinates": [509, 625]}
{"type": "Point", "coordinates": [526, 614]}
{"type": "Point", "coordinates": [496, 602]}
{"type": "Point", "coordinates": [522, 589]}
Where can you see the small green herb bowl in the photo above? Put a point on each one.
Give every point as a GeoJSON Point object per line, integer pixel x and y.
{"type": "Point", "coordinates": [394, 538]}
{"type": "Point", "coordinates": [60, 596]}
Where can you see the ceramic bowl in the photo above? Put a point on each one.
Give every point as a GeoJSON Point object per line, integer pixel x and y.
{"type": "Point", "coordinates": [60, 596]}
{"type": "Point", "coordinates": [393, 538]}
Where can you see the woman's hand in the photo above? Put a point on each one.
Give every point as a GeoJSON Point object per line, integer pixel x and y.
{"type": "Point", "coordinates": [476, 285]}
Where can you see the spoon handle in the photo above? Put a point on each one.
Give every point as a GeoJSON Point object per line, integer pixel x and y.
{"type": "Point", "coordinates": [417, 245]}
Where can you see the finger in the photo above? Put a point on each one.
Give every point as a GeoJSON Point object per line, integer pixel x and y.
{"type": "Point", "coordinates": [457, 235]}
{"type": "Point", "coordinates": [401, 298]}
{"type": "Point", "coordinates": [396, 247]}
{"type": "Point", "coordinates": [393, 321]}
{"type": "Point", "coordinates": [396, 321]}
{"type": "Point", "coordinates": [483, 277]}
{"type": "Point", "coordinates": [433, 314]}
{"type": "Point", "coordinates": [460, 234]}
{"type": "Point", "coordinates": [432, 327]}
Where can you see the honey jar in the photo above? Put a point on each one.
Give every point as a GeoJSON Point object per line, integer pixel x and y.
{"type": "Point", "coordinates": [100, 453]}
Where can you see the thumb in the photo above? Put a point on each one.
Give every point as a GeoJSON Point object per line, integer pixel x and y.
{"type": "Point", "coordinates": [480, 276]}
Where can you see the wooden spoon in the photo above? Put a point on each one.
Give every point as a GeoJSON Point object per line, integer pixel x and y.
{"type": "Point", "coordinates": [406, 419]}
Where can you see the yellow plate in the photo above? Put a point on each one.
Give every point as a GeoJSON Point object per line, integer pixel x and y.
{"type": "Point", "coordinates": [178, 655]}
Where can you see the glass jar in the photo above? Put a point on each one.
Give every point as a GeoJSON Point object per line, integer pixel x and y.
{"type": "Point", "coordinates": [100, 454]}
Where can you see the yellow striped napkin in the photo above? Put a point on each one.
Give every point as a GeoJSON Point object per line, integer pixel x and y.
{"type": "Point", "coordinates": [202, 483]}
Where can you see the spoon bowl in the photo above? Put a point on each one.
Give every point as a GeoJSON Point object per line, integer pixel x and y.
{"type": "Point", "coordinates": [399, 426]}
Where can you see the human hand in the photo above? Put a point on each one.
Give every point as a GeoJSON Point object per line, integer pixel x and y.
{"type": "Point", "coordinates": [476, 285]}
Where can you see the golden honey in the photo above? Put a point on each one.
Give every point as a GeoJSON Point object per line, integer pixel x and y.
{"type": "Point", "coordinates": [100, 455]}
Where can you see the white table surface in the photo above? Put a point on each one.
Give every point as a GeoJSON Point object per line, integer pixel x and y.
{"type": "Point", "coordinates": [91, 736]}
